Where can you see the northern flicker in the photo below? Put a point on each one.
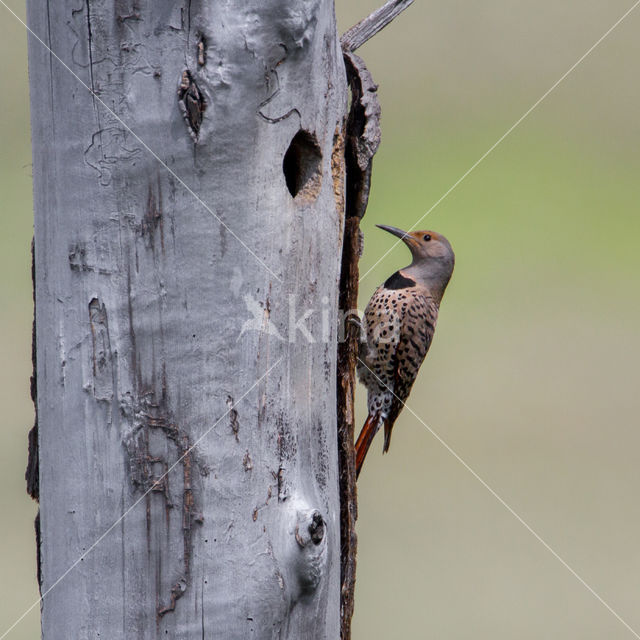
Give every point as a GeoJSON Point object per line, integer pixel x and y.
{"type": "Point", "coordinates": [399, 322]}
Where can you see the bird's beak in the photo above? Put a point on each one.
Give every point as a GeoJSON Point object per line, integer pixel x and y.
{"type": "Point", "coordinates": [403, 235]}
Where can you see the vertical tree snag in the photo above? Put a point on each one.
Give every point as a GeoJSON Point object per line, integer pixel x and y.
{"type": "Point", "coordinates": [188, 181]}
{"type": "Point", "coordinates": [198, 190]}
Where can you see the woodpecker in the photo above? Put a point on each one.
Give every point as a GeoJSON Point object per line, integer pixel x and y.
{"type": "Point", "coordinates": [397, 331]}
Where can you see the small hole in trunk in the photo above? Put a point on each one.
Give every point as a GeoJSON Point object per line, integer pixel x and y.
{"type": "Point", "coordinates": [302, 166]}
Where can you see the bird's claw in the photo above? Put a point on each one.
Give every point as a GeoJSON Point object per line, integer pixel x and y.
{"type": "Point", "coordinates": [357, 322]}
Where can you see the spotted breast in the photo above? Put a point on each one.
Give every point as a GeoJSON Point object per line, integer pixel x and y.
{"type": "Point", "coordinates": [399, 322]}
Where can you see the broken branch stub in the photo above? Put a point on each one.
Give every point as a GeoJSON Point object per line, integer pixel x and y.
{"type": "Point", "coordinates": [364, 30]}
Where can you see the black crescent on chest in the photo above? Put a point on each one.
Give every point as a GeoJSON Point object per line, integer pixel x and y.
{"type": "Point", "coordinates": [398, 281]}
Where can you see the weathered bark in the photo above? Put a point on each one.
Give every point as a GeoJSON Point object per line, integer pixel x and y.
{"type": "Point", "coordinates": [362, 141]}
{"type": "Point", "coordinates": [197, 187]}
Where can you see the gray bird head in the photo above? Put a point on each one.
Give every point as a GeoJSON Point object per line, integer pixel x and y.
{"type": "Point", "coordinates": [433, 258]}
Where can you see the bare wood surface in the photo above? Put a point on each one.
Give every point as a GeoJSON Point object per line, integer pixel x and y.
{"type": "Point", "coordinates": [211, 446]}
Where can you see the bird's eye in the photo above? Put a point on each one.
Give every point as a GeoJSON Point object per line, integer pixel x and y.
{"type": "Point", "coordinates": [426, 238]}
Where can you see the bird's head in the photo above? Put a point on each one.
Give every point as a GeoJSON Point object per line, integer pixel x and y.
{"type": "Point", "coordinates": [433, 257]}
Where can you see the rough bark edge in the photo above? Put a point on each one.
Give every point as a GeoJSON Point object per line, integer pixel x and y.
{"type": "Point", "coordinates": [363, 134]}
{"type": "Point", "coordinates": [355, 37]}
{"type": "Point", "coordinates": [32, 473]}
{"type": "Point", "coordinates": [362, 140]}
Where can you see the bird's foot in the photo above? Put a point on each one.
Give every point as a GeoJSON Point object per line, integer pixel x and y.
{"type": "Point", "coordinates": [357, 322]}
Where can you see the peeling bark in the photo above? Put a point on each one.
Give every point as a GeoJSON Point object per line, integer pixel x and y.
{"type": "Point", "coordinates": [362, 140]}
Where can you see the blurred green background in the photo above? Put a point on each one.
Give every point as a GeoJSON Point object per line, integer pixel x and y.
{"type": "Point", "coordinates": [533, 376]}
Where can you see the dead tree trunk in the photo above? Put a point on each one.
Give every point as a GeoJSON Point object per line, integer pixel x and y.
{"type": "Point", "coordinates": [198, 190]}
{"type": "Point", "coordinates": [188, 179]}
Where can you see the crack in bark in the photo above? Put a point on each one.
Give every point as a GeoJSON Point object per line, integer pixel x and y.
{"type": "Point", "coordinates": [101, 356]}
{"type": "Point", "coordinates": [234, 423]}
{"type": "Point", "coordinates": [192, 104]}
{"type": "Point", "coordinates": [202, 50]}
{"type": "Point", "coordinates": [90, 47]}
{"type": "Point", "coordinates": [32, 473]}
{"type": "Point", "coordinates": [153, 218]}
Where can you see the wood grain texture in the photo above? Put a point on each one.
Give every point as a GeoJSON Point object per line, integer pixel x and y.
{"type": "Point", "coordinates": [147, 340]}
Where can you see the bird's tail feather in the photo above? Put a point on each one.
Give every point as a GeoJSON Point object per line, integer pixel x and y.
{"type": "Point", "coordinates": [365, 439]}
{"type": "Point", "coordinates": [388, 426]}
